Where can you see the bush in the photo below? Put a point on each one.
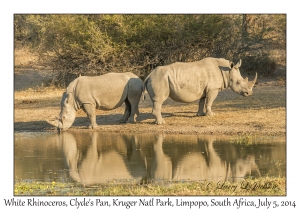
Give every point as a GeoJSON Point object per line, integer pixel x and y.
{"type": "Point", "coordinates": [263, 65]}
{"type": "Point", "coordinates": [97, 44]}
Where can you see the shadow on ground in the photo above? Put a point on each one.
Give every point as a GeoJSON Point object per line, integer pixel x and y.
{"type": "Point", "coordinates": [80, 122]}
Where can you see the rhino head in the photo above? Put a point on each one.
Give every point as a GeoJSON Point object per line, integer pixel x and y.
{"type": "Point", "coordinates": [237, 83]}
{"type": "Point", "coordinates": [67, 113]}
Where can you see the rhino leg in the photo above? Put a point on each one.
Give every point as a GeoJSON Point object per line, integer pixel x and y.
{"type": "Point", "coordinates": [211, 96]}
{"type": "Point", "coordinates": [158, 94]}
{"type": "Point", "coordinates": [156, 111]}
{"type": "Point", "coordinates": [90, 110]}
{"type": "Point", "coordinates": [126, 112]}
{"type": "Point", "coordinates": [134, 111]}
{"type": "Point", "coordinates": [201, 107]}
{"type": "Point", "coordinates": [131, 109]}
{"type": "Point", "coordinates": [135, 90]}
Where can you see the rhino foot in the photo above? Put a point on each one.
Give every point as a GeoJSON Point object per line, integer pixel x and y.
{"type": "Point", "coordinates": [127, 121]}
{"type": "Point", "coordinates": [209, 114]}
{"type": "Point", "coordinates": [160, 122]}
{"type": "Point", "coordinates": [131, 121]}
{"type": "Point", "coordinates": [93, 126]}
{"type": "Point", "coordinates": [200, 114]}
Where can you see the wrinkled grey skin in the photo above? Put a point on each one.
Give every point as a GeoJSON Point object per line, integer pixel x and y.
{"type": "Point", "coordinates": [105, 92]}
{"type": "Point", "coordinates": [188, 82]}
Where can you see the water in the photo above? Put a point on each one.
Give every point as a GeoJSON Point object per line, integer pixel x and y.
{"type": "Point", "coordinates": [95, 158]}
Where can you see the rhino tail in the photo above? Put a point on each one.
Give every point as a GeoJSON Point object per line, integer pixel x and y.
{"type": "Point", "coordinates": [143, 96]}
{"type": "Point", "coordinates": [145, 87]}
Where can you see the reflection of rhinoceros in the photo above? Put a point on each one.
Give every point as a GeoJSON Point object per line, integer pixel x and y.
{"type": "Point", "coordinates": [105, 92]}
{"type": "Point", "coordinates": [97, 161]}
{"type": "Point", "coordinates": [202, 162]}
{"type": "Point", "coordinates": [187, 82]}
{"type": "Point", "coordinates": [128, 158]}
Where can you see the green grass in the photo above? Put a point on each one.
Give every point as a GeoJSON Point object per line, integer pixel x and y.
{"type": "Point", "coordinates": [254, 139]}
{"type": "Point", "coordinates": [267, 186]}
{"type": "Point", "coordinates": [245, 139]}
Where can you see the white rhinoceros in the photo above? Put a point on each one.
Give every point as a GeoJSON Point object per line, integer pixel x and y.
{"type": "Point", "coordinates": [188, 82]}
{"type": "Point", "coordinates": [105, 92]}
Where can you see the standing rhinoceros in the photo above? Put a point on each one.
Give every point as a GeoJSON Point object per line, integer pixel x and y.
{"type": "Point", "coordinates": [187, 82]}
{"type": "Point", "coordinates": [105, 92]}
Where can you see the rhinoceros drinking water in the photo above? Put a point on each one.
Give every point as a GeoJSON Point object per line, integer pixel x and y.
{"type": "Point", "coordinates": [188, 82]}
{"type": "Point", "coordinates": [105, 92]}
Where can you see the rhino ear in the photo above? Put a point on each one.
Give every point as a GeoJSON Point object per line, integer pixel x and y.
{"type": "Point", "coordinates": [64, 96]}
{"type": "Point", "coordinates": [69, 97]}
{"type": "Point", "coordinates": [231, 64]}
{"type": "Point", "coordinates": [238, 65]}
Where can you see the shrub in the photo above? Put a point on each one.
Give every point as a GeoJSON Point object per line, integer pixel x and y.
{"type": "Point", "coordinates": [97, 44]}
{"type": "Point", "coordinates": [263, 65]}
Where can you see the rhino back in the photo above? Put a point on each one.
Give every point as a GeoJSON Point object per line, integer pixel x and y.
{"type": "Point", "coordinates": [107, 91]}
{"type": "Point", "coordinates": [190, 81]}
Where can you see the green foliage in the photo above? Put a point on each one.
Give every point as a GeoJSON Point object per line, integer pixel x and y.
{"type": "Point", "coordinates": [262, 64]}
{"type": "Point", "coordinates": [26, 31]}
{"type": "Point", "coordinates": [97, 44]}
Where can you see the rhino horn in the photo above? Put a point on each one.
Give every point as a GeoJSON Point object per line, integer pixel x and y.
{"type": "Point", "coordinates": [237, 66]}
{"type": "Point", "coordinates": [239, 63]}
{"type": "Point", "coordinates": [252, 83]}
{"type": "Point", "coordinates": [55, 122]}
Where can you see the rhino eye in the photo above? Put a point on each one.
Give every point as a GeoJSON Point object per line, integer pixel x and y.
{"type": "Point", "coordinates": [238, 82]}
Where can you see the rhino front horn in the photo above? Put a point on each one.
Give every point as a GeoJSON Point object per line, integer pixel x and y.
{"type": "Point", "coordinates": [252, 83]}
{"type": "Point", "coordinates": [53, 122]}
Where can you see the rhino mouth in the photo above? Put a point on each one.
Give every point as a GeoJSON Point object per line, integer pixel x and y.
{"type": "Point", "coordinates": [61, 126]}
{"type": "Point", "coordinates": [246, 94]}
{"type": "Point", "coordinates": [60, 129]}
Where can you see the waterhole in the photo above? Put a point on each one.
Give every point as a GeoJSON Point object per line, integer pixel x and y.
{"type": "Point", "coordinates": [96, 158]}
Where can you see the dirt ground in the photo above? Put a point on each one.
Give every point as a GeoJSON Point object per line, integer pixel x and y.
{"type": "Point", "coordinates": [263, 113]}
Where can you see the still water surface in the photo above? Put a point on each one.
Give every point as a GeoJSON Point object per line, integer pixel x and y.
{"type": "Point", "coordinates": [95, 158]}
